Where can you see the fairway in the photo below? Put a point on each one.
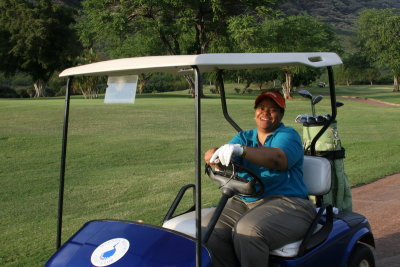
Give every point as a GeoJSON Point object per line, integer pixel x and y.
{"type": "Point", "coordinates": [129, 161]}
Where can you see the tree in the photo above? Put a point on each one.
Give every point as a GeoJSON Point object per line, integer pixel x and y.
{"type": "Point", "coordinates": [298, 34]}
{"type": "Point", "coordinates": [285, 34]}
{"type": "Point", "coordinates": [36, 38]}
{"type": "Point", "coordinates": [89, 86]}
{"type": "Point", "coordinates": [181, 26]}
{"type": "Point", "coordinates": [378, 33]}
{"type": "Point", "coordinates": [165, 26]}
{"type": "Point", "coordinates": [342, 75]}
{"type": "Point", "coordinates": [359, 68]}
{"type": "Point", "coordinates": [257, 76]}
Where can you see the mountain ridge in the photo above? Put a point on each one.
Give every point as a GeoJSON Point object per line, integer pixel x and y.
{"type": "Point", "coordinates": [340, 14]}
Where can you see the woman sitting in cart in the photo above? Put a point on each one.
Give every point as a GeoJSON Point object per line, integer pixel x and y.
{"type": "Point", "coordinates": [250, 227]}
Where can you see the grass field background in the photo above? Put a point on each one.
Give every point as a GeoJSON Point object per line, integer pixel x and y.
{"type": "Point", "coordinates": [129, 161]}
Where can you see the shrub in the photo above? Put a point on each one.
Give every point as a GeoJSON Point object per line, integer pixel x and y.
{"type": "Point", "coordinates": [25, 91]}
{"type": "Point", "coordinates": [164, 83]}
{"type": "Point", "coordinates": [7, 92]}
{"type": "Point", "coordinates": [55, 86]}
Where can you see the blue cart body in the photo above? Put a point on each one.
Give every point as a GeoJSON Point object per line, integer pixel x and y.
{"type": "Point", "coordinates": [148, 246]}
{"type": "Point", "coordinates": [335, 251]}
{"type": "Point", "coordinates": [156, 246]}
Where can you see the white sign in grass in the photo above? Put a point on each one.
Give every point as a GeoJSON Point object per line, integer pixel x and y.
{"type": "Point", "coordinates": [121, 89]}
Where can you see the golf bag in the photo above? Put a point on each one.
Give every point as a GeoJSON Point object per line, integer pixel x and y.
{"type": "Point", "coordinates": [329, 146]}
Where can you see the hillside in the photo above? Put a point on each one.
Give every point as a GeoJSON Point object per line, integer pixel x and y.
{"type": "Point", "coordinates": [341, 14]}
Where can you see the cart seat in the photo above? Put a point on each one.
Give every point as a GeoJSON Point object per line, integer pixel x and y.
{"type": "Point", "coordinates": [317, 177]}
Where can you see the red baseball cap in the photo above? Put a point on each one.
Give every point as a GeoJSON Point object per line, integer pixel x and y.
{"type": "Point", "coordinates": [277, 97]}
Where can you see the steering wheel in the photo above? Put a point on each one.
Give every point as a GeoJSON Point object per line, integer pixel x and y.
{"type": "Point", "coordinates": [230, 183]}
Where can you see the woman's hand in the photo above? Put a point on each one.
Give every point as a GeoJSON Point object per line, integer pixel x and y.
{"type": "Point", "coordinates": [208, 155]}
{"type": "Point", "coordinates": [225, 153]}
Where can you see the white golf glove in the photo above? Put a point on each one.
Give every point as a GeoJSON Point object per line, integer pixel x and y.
{"type": "Point", "coordinates": [225, 153]}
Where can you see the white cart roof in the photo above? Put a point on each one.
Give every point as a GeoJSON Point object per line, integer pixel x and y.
{"type": "Point", "coordinates": [205, 62]}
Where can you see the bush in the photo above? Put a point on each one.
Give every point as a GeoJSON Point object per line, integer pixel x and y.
{"type": "Point", "coordinates": [25, 92]}
{"type": "Point", "coordinates": [165, 83]}
{"type": "Point", "coordinates": [7, 92]}
{"type": "Point", "coordinates": [55, 86]}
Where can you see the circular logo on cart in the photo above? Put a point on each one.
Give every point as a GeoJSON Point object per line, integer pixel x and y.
{"type": "Point", "coordinates": [109, 252]}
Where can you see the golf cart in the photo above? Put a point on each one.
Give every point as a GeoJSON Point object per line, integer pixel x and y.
{"type": "Point", "coordinates": [342, 239]}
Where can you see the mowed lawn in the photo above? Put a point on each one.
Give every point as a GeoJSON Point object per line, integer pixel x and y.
{"type": "Point", "coordinates": [129, 161]}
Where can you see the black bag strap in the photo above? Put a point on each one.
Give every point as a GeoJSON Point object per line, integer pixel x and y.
{"type": "Point", "coordinates": [330, 155]}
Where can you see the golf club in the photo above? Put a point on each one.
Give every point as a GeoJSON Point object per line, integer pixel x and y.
{"type": "Point", "coordinates": [314, 101]}
{"type": "Point", "coordinates": [306, 94]}
{"type": "Point", "coordinates": [327, 117]}
{"type": "Point", "coordinates": [339, 104]}
{"type": "Point", "coordinates": [311, 120]}
{"type": "Point", "coordinates": [302, 118]}
{"type": "Point", "coordinates": [319, 119]}
{"type": "Point", "coordinates": [298, 118]}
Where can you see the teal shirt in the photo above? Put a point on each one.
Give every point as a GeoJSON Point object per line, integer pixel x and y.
{"type": "Point", "coordinates": [277, 182]}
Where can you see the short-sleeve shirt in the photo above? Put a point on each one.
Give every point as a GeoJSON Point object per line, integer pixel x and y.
{"type": "Point", "coordinates": [287, 182]}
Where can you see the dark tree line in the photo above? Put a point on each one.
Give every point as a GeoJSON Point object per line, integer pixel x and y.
{"type": "Point", "coordinates": [36, 38]}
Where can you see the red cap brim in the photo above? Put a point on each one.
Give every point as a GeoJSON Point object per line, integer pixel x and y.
{"type": "Point", "coordinates": [275, 96]}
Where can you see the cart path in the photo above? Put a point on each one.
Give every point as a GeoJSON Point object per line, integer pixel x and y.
{"type": "Point", "coordinates": [380, 203]}
{"type": "Point", "coordinates": [369, 101]}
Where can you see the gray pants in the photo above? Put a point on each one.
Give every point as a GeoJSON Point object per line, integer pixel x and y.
{"type": "Point", "coordinates": [246, 232]}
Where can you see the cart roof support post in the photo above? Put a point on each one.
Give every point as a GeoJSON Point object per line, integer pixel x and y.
{"type": "Point", "coordinates": [63, 158]}
{"type": "Point", "coordinates": [220, 82]}
{"type": "Point", "coordinates": [197, 96]}
{"type": "Point", "coordinates": [332, 94]}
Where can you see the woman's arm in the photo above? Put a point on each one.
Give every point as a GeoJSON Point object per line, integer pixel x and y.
{"type": "Point", "coordinates": [269, 157]}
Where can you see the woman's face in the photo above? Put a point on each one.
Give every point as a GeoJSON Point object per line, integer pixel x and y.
{"type": "Point", "coordinates": [268, 115]}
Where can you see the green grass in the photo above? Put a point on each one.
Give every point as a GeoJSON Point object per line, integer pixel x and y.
{"type": "Point", "coordinates": [129, 161]}
{"type": "Point", "coordinates": [378, 92]}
